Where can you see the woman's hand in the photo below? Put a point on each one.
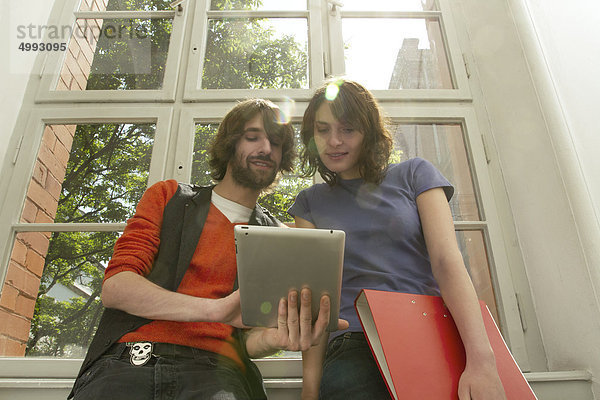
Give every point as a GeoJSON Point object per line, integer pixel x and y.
{"type": "Point", "coordinates": [481, 383]}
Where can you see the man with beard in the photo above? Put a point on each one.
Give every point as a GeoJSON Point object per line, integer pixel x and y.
{"type": "Point", "coordinates": [172, 324]}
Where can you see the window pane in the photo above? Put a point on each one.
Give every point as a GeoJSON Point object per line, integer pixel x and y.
{"type": "Point", "coordinates": [124, 5]}
{"type": "Point", "coordinates": [68, 306]}
{"type": "Point", "coordinates": [472, 247]}
{"type": "Point", "coordinates": [256, 54]}
{"type": "Point", "coordinates": [277, 201]}
{"type": "Point", "coordinates": [444, 146]}
{"type": "Point", "coordinates": [51, 293]}
{"type": "Point", "coordinates": [202, 139]}
{"type": "Point", "coordinates": [83, 174]}
{"type": "Point", "coordinates": [283, 195]}
{"type": "Point", "coordinates": [89, 173]}
{"type": "Point", "coordinates": [116, 54]}
{"type": "Point", "coordinates": [389, 5]}
{"type": "Point", "coordinates": [258, 5]}
{"type": "Point", "coordinates": [385, 53]}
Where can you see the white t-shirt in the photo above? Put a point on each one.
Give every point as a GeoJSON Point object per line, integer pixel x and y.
{"type": "Point", "coordinates": [235, 213]}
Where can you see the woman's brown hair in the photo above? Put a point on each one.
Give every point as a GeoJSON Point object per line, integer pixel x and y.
{"type": "Point", "coordinates": [232, 128]}
{"type": "Point", "coordinates": [357, 107]}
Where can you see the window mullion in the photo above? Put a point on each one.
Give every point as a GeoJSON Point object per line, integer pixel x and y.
{"type": "Point", "coordinates": [316, 45]}
{"type": "Point", "coordinates": [255, 14]}
{"type": "Point", "coordinates": [124, 14]}
{"type": "Point", "coordinates": [69, 227]}
{"type": "Point", "coordinates": [335, 39]}
{"type": "Point", "coordinates": [391, 14]}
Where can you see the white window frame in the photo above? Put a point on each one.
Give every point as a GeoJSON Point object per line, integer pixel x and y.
{"type": "Point", "coordinates": [175, 126]}
{"type": "Point", "coordinates": [455, 60]}
{"type": "Point", "coordinates": [325, 55]}
{"type": "Point", "coordinates": [192, 90]}
{"type": "Point", "coordinates": [52, 376]}
{"type": "Point", "coordinates": [22, 168]}
{"type": "Point", "coordinates": [53, 61]}
{"type": "Point", "coordinates": [489, 223]}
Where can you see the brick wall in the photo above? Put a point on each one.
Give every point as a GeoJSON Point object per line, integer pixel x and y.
{"type": "Point", "coordinates": [21, 286]}
{"type": "Point", "coordinates": [20, 289]}
{"type": "Point", "coordinates": [80, 53]}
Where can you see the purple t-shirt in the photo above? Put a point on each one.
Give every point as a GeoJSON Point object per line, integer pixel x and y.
{"type": "Point", "coordinates": [385, 248]}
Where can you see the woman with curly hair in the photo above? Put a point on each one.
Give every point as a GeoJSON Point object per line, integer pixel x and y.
{"type": "Point", "coordinates": [399, 237]}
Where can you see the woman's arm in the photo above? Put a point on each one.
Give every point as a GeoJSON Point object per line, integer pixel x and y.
{"type": "Point", "coordinates": [312, 359]}
{"type": "Point", "coordinates": [480, 378]}
{"type": "Point", "coordinates": [312, 369]}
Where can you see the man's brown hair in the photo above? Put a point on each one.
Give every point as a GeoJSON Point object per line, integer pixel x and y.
{"type": "Point", "coordinates": [231, 129]}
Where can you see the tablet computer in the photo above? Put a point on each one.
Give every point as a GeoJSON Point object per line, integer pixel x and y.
{"type": "Point", "coordinates": [273, 260]}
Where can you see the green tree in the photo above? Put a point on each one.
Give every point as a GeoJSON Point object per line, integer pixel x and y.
{"type": "Point", "coordinates": [138, 5]}
{"type": "Point", "coordinates": [245, 54]}
{"type": "Point", "coordinates": [235, 4]}
{"type": "Point", "coordinates": [130, 54]}
{"type": "Point", "coordinates": [200, 168]}
{"type": "Point", "coordinates": [283, 196]}
{"type": "Point", "coordinates": [106, 175]}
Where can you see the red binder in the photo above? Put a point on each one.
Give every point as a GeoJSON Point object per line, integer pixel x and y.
{"type": "Point", "coordinates": [418, 348]}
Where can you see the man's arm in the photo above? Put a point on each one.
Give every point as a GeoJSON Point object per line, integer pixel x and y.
{"type": "Point", "coordinates": [136, 295]}
{"type": "Point", "coordinates": [126, 287]}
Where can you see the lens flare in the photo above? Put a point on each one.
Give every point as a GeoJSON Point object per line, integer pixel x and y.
{"type": "Point", "coordinates": [331, 91]}
{"type": "Point", "coordinates": [266, 307]}
{"type": "Point", "coordinates": [286, 110]}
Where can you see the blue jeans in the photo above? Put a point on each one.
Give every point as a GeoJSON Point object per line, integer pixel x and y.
{"type": "Point", "coordinates": [350, 371]}
{"type": "Point", "coordinates": [206, 375]}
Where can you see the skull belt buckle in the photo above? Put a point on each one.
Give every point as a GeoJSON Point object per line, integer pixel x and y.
{"type": "Point", "coordinates": [140, 352]}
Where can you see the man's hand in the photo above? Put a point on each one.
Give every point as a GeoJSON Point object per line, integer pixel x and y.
{"type": "Point", "coordinates": [295, 331]}
{"type": "Point", "coordinates": [228, 310]}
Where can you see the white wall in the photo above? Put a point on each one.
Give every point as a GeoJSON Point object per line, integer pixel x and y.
{"type": "Point", "coordinates": [569, 40]}
{"type": "Point", "coordinates": [536, 64]}
{"type": "Point", "coordinates": [16, 65]}
{"type": "Point", "coordinates": [569, 34]}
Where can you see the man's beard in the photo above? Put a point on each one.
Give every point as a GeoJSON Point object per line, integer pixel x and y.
{"type": "Point", "coordinates": [245, 176]}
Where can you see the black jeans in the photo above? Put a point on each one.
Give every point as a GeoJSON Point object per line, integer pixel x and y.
{"type": "Point", "coordinates": [204, 375]}
{"type": "Point", "coordinates": [350, 371]}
